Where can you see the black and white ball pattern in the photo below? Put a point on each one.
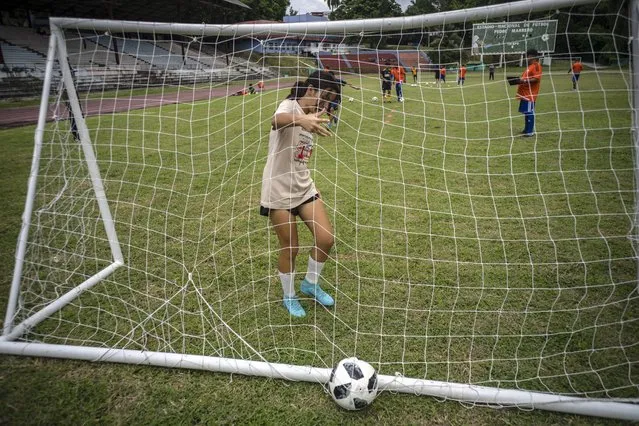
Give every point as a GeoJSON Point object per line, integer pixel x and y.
{"type": "Point", "coordinates": [353, 384]}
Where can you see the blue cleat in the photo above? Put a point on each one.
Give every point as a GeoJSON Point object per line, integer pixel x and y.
{"type": "Point", "coordinates": [316, 292]}
{"type": "Point", "coordinates": [293, 306]}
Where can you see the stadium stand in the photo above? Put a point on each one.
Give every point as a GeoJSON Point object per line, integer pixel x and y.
{"type": "Point", "coordinates": [335, 62]}
{"type": "Point", "coordinates": [186, 57]}
{"type": "Point", "coordinates": [152, 54]}
{"type": "Point", "coordinates": [83, 54]}
{"type": "Point", "coordinates": [106, 42]}
{"type": "Point", "coordinates": [205, 54]}
{"type": "Point", "coordinates": [410, 58]}
{"type": "Point", "coordinates": [26, 38]}
{"type": "Point", "coordinates": [16, 57]}
{"type": "Point", "coordinates": [111, 62]}
{"type": "Point", "coordinates": [370, 62]}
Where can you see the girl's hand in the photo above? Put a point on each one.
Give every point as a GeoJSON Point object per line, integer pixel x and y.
{"type": "Point", "coordinates": [314, 123]}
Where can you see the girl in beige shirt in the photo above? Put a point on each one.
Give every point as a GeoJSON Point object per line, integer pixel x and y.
{"type": "Point", "coordinates": [288, 190]}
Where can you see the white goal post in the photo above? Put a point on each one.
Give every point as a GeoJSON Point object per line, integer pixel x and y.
{"type": "Point", "coordinates": [470, 264]}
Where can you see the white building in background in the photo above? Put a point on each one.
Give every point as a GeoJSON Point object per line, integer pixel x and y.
{"type": "Point", "coordinates": [307, 17]}
{"type": "Point", "coordinates": [294, 44]}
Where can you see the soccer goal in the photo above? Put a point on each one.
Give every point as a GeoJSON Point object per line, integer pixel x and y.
{"type": "Point", "coordinates": [469, 264]}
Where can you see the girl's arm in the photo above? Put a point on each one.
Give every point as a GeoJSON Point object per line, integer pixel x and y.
{"type": "Point", "coordinates": [313, 123]}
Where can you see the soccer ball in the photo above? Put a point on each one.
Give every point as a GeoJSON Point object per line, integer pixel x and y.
{"type": "Point", "coordinates": [350, 99]}
{"type": "Point", "coordinates": [374, 99]}
{"type": "Point", "coordinates": [353, 384]}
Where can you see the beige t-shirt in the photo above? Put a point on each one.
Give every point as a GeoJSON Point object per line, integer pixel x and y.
{"type": "Point", "coordinates": [286, 181]}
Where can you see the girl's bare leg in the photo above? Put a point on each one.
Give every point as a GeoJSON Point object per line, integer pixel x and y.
{"type": "Point", "coordinates": [285, 227]}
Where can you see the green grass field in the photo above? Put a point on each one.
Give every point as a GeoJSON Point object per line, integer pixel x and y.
{"type": "Point", "coordinates": [463, 253]}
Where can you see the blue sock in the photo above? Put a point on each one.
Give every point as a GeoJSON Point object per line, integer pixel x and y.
{"type": "Point", "coordinates": [530, 123]}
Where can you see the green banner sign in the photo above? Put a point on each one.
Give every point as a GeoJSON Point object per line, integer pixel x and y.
{"type": "Point", "coordinates": [514, 37]}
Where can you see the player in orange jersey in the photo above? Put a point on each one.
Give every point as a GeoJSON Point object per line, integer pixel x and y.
{"type": "Point", "coordinates": [575, 69]}
{"type": "Point", "coordinates": [528, 90]}
{"type": "Point", "coordinates": [461, 75]}
{"type": "Point", "coordinates": [399, 77]}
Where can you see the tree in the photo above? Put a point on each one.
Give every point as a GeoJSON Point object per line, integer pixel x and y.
{"type": "Point", "coordinates": [421, 7]}
{"type": "Point", "coordinates": [451, 43]}
{"type": "Point", "coordinates": [273, 10]}
{"type": "Point", "coordinates": [363, 9]}
{"type": "Point", "coordinates": [333, 4]}
{"type": "Point", "coordinates": [596, 34]}
{"type": "Point", "coordinates": [223, 12]}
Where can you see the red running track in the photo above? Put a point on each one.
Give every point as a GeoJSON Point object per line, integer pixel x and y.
{"type": "Point", "coordinates": [12, 117]}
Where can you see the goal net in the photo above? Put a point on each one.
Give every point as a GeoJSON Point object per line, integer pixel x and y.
{"type": "Point", "coordinates": [470, 263]}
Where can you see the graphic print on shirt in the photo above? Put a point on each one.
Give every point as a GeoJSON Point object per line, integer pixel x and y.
{"type": "Point", "coordinates": [304, 148]}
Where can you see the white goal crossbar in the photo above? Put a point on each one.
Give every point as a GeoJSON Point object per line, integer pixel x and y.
{"type": "Point", "coordinates": [334, 27]}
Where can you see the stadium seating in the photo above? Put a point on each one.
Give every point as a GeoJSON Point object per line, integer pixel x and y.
{"type": "Point", "coordinates": [370, 61]}
{"type": "Point", "coordinates": [151, 53]}
{"type": "Point", "coordinates": [26, 38]}
{"type": "Point", "coordinates": [84, 54]}
{"type": "Point", "coordinates": [189, 58]}
{"type": "Point", "coordinates": [104, 42]}
{"type": "Point", "coordinates": [92, 56]}
{"type": "Point", "coordinates": [410, 58]}
{"type": "Point", "coordinates": [336, 62]}
{"type": "Point", "coordinates": [209, 54]}
{"type": "Point", "coordinates": [16, 57]}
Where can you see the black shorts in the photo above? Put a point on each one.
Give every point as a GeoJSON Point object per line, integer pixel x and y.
{"type": "Point", "coordinates": [295, 211]}
{"type": "Point", "coordinates": [386, 85]}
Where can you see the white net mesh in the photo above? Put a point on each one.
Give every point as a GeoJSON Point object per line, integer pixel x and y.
{"type": "Point", "coordinates": [463, 252]}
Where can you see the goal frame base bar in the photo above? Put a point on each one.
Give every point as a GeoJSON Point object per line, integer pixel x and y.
{"type": "Point", "coordinates": [473, 394]}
